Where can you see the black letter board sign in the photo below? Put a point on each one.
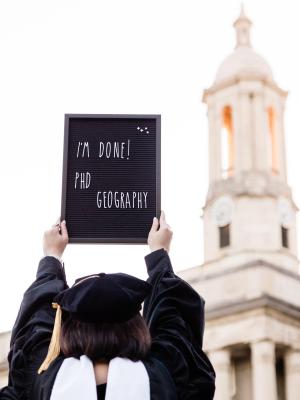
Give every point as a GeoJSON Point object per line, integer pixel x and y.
{"type": "Point", "coordinates": [111, 177]}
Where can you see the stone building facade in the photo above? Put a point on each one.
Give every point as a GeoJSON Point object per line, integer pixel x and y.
{"type": "Point", "coordinates": [250, 275]}
{"type": "Point", "coordinates": [4, 346]}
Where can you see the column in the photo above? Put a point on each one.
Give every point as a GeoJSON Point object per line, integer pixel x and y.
{"type": "Point", "coordinates": [263, 370]}
{"type": "Point", "coordinates": [261, 134]}
{"type": "Point", "coordinates": [292, 374]}
{"type": "Point", "coordinates": [214, 137]}
{"type": "Point", "coordinates": [244, 130]}
{"type": "Point", "coordinates": [220, 360]}
{"type": "Point", "coordinates": [280, 134]}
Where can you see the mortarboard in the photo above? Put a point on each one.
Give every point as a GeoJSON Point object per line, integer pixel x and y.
{"type": "Point", "coordinates": [104, 298]}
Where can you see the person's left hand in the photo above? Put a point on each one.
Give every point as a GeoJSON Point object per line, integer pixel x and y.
{"type": "Point", "coordinates": [55, 240]}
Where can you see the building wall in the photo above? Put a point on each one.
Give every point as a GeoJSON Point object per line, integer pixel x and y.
{"type": "Point", "coordinates": [3, 378]}
{"type": "Point", "coordinates": [243, 379]}
{"type": "Point", "coordinates": [4, 348]}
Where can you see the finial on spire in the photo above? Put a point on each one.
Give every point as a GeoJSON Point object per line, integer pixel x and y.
{"type": "Point", "coordinates": [242, 14]}
{"type": "Point", "coordinates": [242, 26]}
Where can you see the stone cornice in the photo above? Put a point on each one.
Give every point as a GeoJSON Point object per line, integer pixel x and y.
{"type": "Point", "coordinates": [265, 301]}
{"type": "Point", "coordinates": [250, 183]}
{"type": "Point", "coordinates": [240, 78]}
{"type": "Point", "coordinates": [242, 267]}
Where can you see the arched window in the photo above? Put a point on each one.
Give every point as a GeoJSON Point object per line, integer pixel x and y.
{"type": "Point", "coordinates": [284, 237]}
{"type": "Point", "coordinates": [224, 235]}
{"type": "Point", "coordinates": [273, 140]}
{"type": "Point", "coordinates": [227, 142]}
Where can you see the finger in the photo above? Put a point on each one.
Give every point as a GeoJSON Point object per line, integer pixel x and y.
{"type": "Point", "coordinates": [55, 230]}
{"type": "Point", "coordinates": [64, 230]}
{"type": "Point", "coordinates": [154, 226]}
{"type": "Point", "coordinates": [162, 219]}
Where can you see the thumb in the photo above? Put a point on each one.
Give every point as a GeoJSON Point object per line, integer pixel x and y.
{"type": "Point", "coordinates": [64, 231]}
{"type": "Point", "coordinates": [162, 220]}
{"type": "Point", "coordinates": [154, 225]}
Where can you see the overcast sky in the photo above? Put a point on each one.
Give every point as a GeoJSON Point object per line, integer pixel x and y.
{"type": "Point", "coordinates": [147, 57]}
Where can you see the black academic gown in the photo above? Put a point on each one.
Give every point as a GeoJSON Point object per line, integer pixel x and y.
{"type": "Point", "coordinates": [177, 367]}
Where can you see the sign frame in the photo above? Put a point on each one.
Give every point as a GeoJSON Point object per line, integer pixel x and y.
{"type": "Point", "coordinates": [116, 240]}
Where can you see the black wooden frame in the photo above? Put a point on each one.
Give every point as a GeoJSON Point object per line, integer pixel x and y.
{"type": "Point", "coordinates": [116, 240]}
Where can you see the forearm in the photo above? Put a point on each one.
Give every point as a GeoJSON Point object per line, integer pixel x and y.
{"type": "Point", "coordinates": [50, 280]}
{"type": "Point", "coordinates": [51, 265]}
{"type": "Point", "coordinates": [174, 312]}
{"type": "Point", "coordinates": [33, 327]}
{"type": "Point", "coordinates": [170, 296]}
{"type": "Point", "coordinates": [158, 261]}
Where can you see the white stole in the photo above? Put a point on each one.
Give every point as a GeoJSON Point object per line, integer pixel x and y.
{"type": "Point", "coordinates": [126, 380]}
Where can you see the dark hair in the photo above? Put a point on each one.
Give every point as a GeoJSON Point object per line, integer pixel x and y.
{"type": "Point", "coordinates": [104, 341]}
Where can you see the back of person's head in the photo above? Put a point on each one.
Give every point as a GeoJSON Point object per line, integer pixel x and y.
{"type": "Point", "coordinates": [99, 316]}
{"type": "Point", "coordinates": [104, 341]}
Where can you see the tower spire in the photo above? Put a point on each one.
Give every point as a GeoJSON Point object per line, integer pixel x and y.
{"type": "Point", "coordinates": [242, 26]}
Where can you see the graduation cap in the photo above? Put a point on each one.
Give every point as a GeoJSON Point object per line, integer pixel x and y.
{"type": "Point", "coordinates": [102, 298]}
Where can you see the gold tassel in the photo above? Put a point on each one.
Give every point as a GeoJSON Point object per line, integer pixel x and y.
{"type": "Point", "coordinates": [54, 347]}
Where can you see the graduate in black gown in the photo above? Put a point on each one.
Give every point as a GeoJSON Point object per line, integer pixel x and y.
{"type": "Point", "coordinates": [172, 366]}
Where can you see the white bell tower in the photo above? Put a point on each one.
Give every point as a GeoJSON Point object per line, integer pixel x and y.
{"type": "Point", "coordinates": [249, 212]}
{"type": "Point", "coordinates": [249, 279]}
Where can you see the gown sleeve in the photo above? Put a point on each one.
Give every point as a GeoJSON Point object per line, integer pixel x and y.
{"type": "Point", "coordinates": [174, 312]}
{"type": "Point", "coordinates": [32, 330]}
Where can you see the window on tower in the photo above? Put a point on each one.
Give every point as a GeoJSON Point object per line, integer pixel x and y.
{"type": "Point", "coordinates": [224, 235]}
{"type": "Point", "coordinates": [284, 237]}
{"type": "Point", "coordinates": [273, 139]}
{"type": "Point", "coordinates": [227, 144]}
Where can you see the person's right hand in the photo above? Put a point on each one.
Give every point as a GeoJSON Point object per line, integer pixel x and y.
{"type": "Point", "coordinates": [160, 238]}
{"type": "Point", "coordinates": [55, 240]}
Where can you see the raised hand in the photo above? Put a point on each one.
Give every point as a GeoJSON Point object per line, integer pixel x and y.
{"type": "Point", "coordinates": [55, 240]}
{"type": "Point", "coordinates": [161, 237]}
